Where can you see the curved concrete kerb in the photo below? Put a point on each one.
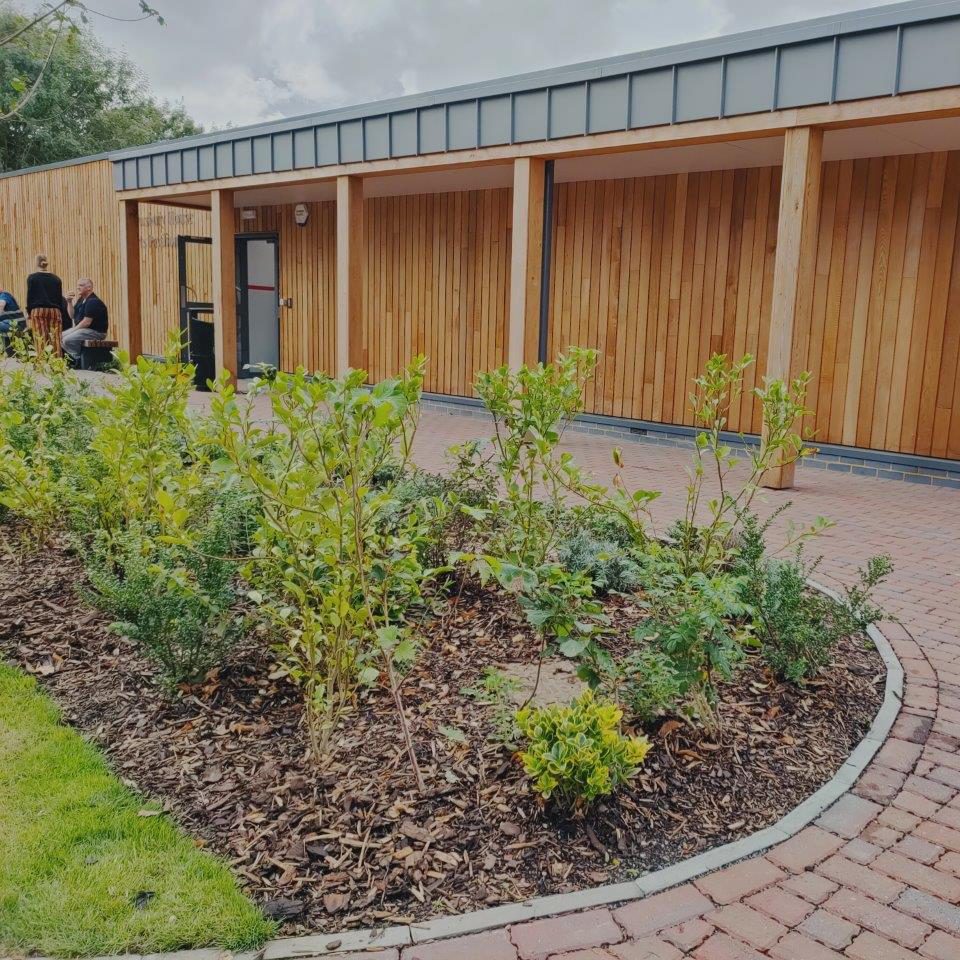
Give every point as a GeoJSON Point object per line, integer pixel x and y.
{"type": "Point", "coordinates": [376, 940]}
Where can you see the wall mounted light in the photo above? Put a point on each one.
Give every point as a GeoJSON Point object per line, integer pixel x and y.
{"type": "Point", "coordinates": [301, 214]}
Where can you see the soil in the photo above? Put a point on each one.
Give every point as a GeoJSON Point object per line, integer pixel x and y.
{"type": "Point", "coordinates": [351, 843]}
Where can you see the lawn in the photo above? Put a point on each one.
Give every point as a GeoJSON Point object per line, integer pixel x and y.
{"type": "Point", "coordinates": [87, 867]}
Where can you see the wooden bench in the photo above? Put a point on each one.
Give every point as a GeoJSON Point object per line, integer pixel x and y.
{"type": "Point", "coordinates": [96, 354]}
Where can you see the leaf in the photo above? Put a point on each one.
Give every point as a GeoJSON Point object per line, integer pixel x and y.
{"type": "Point", "coordinates": [369, 676]}
{"type": "Point", "coordinates": [572, 647]}
{"type": "Point", "coordinates": [452, 733]}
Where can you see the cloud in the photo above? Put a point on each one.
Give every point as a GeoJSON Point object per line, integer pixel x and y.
{"type": "Point", "coordinates": [243, 61]}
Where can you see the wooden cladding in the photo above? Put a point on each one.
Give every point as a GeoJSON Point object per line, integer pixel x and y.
{"type": "Point", "coordinates": [438, 283]}
{"type": "Point", "coordinates": [885, 330]}
{"type": "Point", "coordinates": [657, 274]}
{"type": "Point", "coordinates": [72, 215]}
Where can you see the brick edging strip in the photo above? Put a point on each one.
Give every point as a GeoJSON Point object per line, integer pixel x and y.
{"type": "Point", "coordinates": [373, 940]}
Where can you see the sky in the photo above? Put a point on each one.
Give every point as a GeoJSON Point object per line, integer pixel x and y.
{"type": "Point", "coordinates": [234, 62]}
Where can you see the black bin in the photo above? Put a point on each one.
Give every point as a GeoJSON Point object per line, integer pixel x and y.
{"type": "Point", "coordinates": [201, 350]}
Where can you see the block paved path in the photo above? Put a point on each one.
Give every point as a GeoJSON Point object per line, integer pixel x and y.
{"type": "Point", "coordinates": [878, 876]}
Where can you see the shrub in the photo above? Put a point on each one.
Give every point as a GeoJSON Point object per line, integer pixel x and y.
{"type": "Point", "coordinates": [449, 512]}
{"type": "Point", "coordinates": [704, 535]}
{"type": "Point", "coordinates": [599, 545]}
{"type": "Point", "coordinates": [176, 608]}
{"type": "Point", "coordinates": [797, 626]}
{"type": "Point", "coordinates": [172, 589]}
{"type": "Point", "coordinates": [141, 438]}
{"type": "Point", "coordinates": [43, 431]}
{"type": "Point", "coordinates": [335, 565]}
{"type": "Point", "coordinates": [698, 620]}
{"type": "Point", "coordinates": [531, 408]}
{"type": "Point", "coordinates": [648, 684]}
{"type": "Point", "coordinates": [577, 752]}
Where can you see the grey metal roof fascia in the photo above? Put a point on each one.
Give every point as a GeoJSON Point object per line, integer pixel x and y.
{"type": "Point", "coordinates": [74, 161]}
{"type": "Point", "coordinates": [858, 21]}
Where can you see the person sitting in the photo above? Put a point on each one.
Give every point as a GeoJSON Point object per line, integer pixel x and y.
{"type": "Point", "coordinates": [10, 312]}
{"type": "Point", "coordinates": [89, 315]}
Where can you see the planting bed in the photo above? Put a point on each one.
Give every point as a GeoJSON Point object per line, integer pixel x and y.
{"type": "Point", "coordinates": [353, 844]}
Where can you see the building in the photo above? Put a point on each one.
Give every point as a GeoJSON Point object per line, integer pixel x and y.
{"type": "Point", "coordinates": [791, 192]}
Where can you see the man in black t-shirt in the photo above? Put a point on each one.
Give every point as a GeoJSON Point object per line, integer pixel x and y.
{"type": "Point", "coordinates": [89, 315]}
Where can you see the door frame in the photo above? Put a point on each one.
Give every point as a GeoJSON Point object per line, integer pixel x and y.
{"type": "Point", "coordinates": [243, 306]}
{"type": "Point", "coordinates": [188, 306]}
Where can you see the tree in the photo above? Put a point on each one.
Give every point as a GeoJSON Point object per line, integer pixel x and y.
{"type": "Point", "coordinates": [63, 94]}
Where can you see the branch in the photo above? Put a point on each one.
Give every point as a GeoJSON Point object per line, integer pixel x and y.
{"type": "Point", "coordinates": [28, 96]}
{"type": "Point", "coordinates": [43, 16]}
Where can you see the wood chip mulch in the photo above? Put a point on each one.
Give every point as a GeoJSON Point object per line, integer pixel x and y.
{"type": "Point", "coordinates": [352, 844]}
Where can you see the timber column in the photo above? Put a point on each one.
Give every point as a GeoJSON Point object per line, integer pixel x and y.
{"type": "Point", "coordinates": [526, 261]}
{"type": "Point", "coordinates": [795, 266]}
{"type": "Point", "coordinates": [350, 252]}
{"type": "Point", "coordinates": [130, 275]}
{"type": "Point", "coordinates": [224, 233]}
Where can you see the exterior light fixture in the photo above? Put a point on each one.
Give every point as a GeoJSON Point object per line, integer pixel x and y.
{"type": "Point", "coordinates": [301, 214]}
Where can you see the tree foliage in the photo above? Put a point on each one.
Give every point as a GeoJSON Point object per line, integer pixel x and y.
{"type": "Point", "coordinates": [89, 99]}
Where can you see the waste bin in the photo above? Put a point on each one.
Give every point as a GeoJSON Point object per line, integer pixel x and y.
{"type": "Point", "coordinates": [201, 349]}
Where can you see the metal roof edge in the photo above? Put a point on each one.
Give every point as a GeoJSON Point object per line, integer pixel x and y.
{"type": "Point", "coordinates": [855, 21]}
{"type": "Point", "coordinates": [73, 161]}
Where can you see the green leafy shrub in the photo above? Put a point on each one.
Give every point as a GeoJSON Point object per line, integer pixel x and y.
{"type": "Point", "coordinates": [452, 511]}
{"type": "Point", "coordinates": [797, 626]}
{"type": "Point", "coordinates": [577, 752]}
{"type": "Point", "coordinates": [704, 536]}
{"type": "Point", "coordinates": [531, 407]}
{"type": "Point", "coordinates": [335, 565]}
{"type": "Point", "coordinates": [599, 544]}
{"type": "Point", "coordinates": [141, 440]}
{"type": "Point", "coordinates": [176, 603]}
{"type": "Point", "coordinates": [43, 431]}
{"type": "Point", "coordinates": [160, 531]}
{"type": "Point", "coordinates": [648, 684]}
{"type": "Point", "coordinates": [699, 620]}
{"type": "Point", "coordinates": [560, 606]}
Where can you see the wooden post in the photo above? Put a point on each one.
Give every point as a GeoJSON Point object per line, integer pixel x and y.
{"type": "Point", "coordinates": [350, 253]}
{"type": "Point", "coordinates": [224, 257]}
{"type": "Point", "coordinates": [526, 261]}
{"type": "Point", "coordinates": [131, 311]}
{"type": "Point", "coordinates": [795, 266]}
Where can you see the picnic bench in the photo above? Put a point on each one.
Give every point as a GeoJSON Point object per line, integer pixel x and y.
{"type": "Point", "coordinates": [96, 354]}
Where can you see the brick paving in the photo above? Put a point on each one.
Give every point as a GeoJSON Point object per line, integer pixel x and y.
{"type": "Point", "coordinates": [878, 876]}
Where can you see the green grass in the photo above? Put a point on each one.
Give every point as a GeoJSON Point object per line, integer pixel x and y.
{"type": "Point", "coordinates": [81, 871]}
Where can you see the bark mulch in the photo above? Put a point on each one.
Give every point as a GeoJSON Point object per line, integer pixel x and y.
{"type": "Point", "coordinates": [352, 843]}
